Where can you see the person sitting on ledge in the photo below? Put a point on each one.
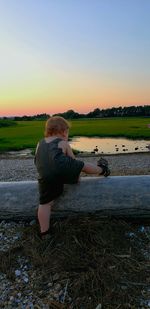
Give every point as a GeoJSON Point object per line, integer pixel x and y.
{"type": "Point", "coordinates": [56, 165]}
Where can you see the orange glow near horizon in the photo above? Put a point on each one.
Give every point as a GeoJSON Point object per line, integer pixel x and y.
{"type": "Point", "coordinates": [52, 95]}
{"type": "Point", "coordinates": [31, 84]}
{"type": "Point", "coordinates": [40, 107]}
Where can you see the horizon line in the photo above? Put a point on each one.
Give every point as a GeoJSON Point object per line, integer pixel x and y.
{"type": "Point", "coordinates": [31, 115]}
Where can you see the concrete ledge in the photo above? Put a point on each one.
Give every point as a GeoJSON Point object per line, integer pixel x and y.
{"type": "Point", "coordinates": [119, 196]}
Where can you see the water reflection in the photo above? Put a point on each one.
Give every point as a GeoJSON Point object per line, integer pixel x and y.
{"type": "Point", "coordinates": [109, 145]}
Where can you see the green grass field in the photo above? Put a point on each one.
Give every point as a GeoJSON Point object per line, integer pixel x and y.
{"type": "Point", "coordinates": [25, 134]}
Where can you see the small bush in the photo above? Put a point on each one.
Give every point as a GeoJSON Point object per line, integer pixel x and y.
{"type": "Point", "coordinates": [7, 123]}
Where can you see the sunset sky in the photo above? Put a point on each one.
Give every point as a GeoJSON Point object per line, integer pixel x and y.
{"type": "Point", "coordinates": [57, 55]}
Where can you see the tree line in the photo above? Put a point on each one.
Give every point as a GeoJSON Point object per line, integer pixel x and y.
{"type": "Point", "coordinates": [129, 111]}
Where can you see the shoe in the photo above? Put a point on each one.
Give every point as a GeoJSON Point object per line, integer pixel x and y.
{"type": "Point", "coordinates": [45, 235]}
{"type": "Point", "coordinates": [103, 163]}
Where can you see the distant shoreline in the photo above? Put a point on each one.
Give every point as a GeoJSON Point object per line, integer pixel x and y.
{"type": "Point", "coordinates": [19, 154]}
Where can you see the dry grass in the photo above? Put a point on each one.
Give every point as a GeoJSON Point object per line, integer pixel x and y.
{"type": "Point", "coordinates": [103, 264]}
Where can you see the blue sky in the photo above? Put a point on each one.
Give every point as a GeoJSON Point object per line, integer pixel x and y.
{"type": "Point", "coordinates": [74, 54]}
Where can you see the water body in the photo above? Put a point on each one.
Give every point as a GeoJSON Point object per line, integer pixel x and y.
{"type": "Point", "coordinates": [109, 145]}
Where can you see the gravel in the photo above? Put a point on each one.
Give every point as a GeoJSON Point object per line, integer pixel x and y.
{"type": "Point", "coordinates": [17, 169]}
{"type": "Point", "coordinates": [20, 291]}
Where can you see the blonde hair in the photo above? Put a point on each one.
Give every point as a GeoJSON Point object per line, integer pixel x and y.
{"type": "Point", "coordinates": [55, 125]}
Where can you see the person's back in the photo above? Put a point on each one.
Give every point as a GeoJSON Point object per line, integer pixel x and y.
{"type": "Point", "coordinates": [53, 165]}
{"type": "Point", "coordinates": [46, 159]}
